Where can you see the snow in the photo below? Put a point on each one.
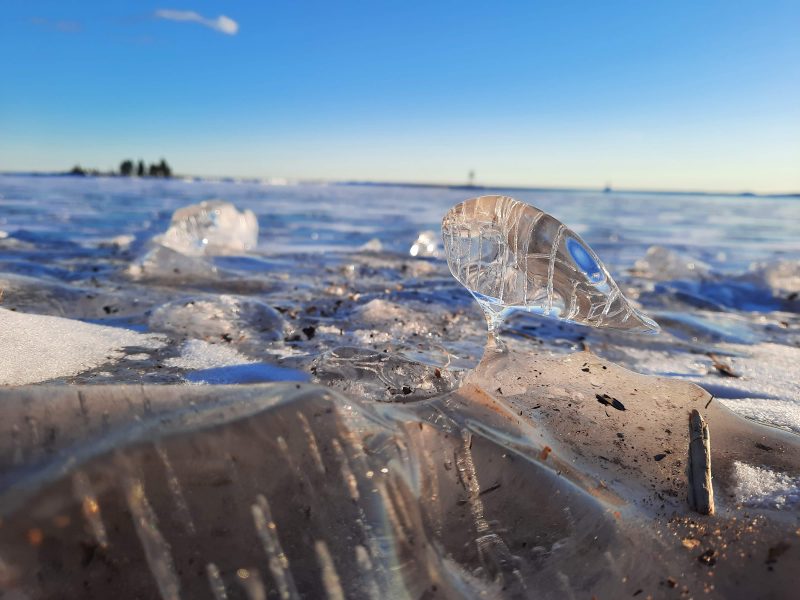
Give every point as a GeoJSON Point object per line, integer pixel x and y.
{"type": "Point", "coordinates": [197, 354]}
{"type": "Point", "coordinates": [762, 487]}
{"type": "Point", "coordinates": [36, 348]}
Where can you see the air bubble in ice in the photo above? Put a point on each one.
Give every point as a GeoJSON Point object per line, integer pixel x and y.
{"type": "Point", "coordinates": [211, 227]}
{"type": "Point", "coordinates": [513, 256]}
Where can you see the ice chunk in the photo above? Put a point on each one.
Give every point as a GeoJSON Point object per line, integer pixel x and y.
{"type": "Point", "coordinates": [162, 263]}
{"type": "Point", "coordinates": [513, 256]}
{"type": "Point", "coordinates": [780, 276]}
{"type": "Point", "coordinates": [426, 244]}
{"type": "Point", "coordinates": [224, 318]}
{"type": "Point", "coordinates": [211, 227]}
{"type": "Point", "coordinates": [663, 264]}
{"type": "Point", "coordinates": [373, 245]}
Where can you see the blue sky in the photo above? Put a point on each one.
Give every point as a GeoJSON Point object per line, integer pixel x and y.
{"type": "Point", "coordinates": [656, 95]}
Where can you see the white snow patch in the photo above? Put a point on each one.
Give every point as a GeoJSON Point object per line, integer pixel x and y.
{"type": "Point", "coordinates": [35, 348]}
{"type": "Point", "coordinates": [197, 354]}
{"type": "Point", "coordinates": [768, 390]}
{"type": "Point", "coordinates": [759, 486]}
{"type": "Point", "coordinates": [784, 414]}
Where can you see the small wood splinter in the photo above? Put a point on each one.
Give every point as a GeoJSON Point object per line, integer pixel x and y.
{"type": "Point", "coordinates": [701, 491]}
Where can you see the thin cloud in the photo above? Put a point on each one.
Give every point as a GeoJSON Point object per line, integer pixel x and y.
{"type": "Point", "coordinates": [222, 23]}
{"type": "Point", "coordinates": [64, 26]}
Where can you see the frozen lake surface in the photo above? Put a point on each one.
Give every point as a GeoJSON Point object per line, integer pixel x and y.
{"type": "Point", "coordinates": [338, 278]}
{"type": "Point", "coordinates": [424, 466]}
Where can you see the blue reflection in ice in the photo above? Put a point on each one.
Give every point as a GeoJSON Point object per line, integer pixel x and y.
{"type": "Point", "coordinates": [584, 260]}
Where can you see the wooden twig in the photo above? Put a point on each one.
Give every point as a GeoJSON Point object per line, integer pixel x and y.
{"type": "Point", "coordinates": [701, 491]}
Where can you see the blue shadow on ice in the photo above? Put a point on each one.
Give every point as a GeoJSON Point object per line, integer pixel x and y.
{"type": "Point", "coordinates": [246, 373]}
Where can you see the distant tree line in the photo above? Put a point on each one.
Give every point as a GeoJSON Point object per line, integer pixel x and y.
{"type": "Point", "coordinates": [128, 168]}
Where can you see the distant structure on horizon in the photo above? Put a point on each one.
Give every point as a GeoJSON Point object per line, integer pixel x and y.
{"type": "Point", "coordinates": [471, 178]}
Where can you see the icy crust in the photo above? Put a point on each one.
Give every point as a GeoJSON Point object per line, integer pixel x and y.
{"type": "Point", "coordinates": [780, 276]}
{"type": "Point", "coordinates": [664, 264]}
{"type": "Point", "coordinates": [211, 227]}
{"type": "Point", "coordinates": [513, 256]}
{"type": "Point", "coordinates": [198, 355]}
{"type": "Point", "coordinates": [222, 318]}
{"type": "Point", "coordinates": [303, 489]}
{"type": "Point", "coordinates": [165, 264]}
{"type": "Point", "coordinates": [36, 348]}
{"type": "Point", "coordinates": [762, 487]}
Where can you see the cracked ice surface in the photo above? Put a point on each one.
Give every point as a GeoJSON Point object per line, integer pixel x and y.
{"type": "Point", "coordinates": [513, 256]}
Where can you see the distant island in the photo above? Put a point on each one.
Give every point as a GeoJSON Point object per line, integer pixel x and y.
{"type": "Point", "coordinates": [127, 168]}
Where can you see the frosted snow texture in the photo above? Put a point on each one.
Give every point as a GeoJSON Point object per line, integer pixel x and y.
{"type": "Point", "coordinates": [36, 348]}
{"type": "Point", "coordinates": [513, 256]}
{"type": "Point", "coordinates": [211, 227]}
{"type": "Point", "coordinates": [763, 487]}
{"type": "Point", "coordinates": [197, 354]}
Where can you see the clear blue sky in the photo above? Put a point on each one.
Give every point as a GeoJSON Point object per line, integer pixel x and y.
{"type": "Point", "coordinates": [668, 95]}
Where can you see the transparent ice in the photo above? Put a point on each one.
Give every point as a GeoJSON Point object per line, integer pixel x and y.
{"type": "Point", "coordinates": [513, 256]}
{"type": "Point", "coordinates": [211, 227]}
{"type": "Point", "coordinates": [426, 244]}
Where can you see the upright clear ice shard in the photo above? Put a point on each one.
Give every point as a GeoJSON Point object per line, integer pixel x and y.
{"type": "Point", "coordinates": [513, 256]}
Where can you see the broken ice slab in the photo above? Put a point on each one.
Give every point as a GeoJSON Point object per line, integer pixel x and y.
{"type": "Point", "coordinates": [513, 256]}
{"type": "Point", "coordinates": [211, 227]}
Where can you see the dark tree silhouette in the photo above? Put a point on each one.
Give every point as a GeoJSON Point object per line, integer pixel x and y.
{"type": "Point", "coordinates": [165, 169]}
{"type": "Point", "coordinates": [161, 169]}
{"type": "Point", "coordinates": [127, 168]}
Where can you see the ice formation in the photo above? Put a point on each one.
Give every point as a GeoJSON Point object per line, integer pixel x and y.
{"type": "Point", "coordinates": [162, 263]}
{"type": "Point", "coordinates": [513, 256]}
{"type": "Point", "coordinates": [426, 244]}
{"type": "Point", "coordinates": [224, 318]}
{"type": "Point", "coordinates": [211, 227]}
{"type": "Point", "coordinates": [780, 276]}
{"type": "Point", "coordinates": [664, 264]}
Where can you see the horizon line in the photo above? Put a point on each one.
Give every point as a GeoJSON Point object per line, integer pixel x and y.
{"type": "Point", "coordinates": [275, 180]}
